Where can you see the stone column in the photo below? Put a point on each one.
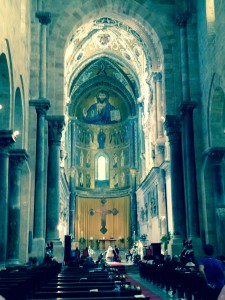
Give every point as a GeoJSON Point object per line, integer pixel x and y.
{"type": "Point", "coordinates": [44, 18]}
{"type": "Point", "coordinates": [72, 182]}
{"type": "Point", "coordinates": [190, 169]}
{"type": "Point", "coordinates": [133, 203]}
{"type": "Point", "coordinates": [133, 142]}
{"type": "Point", "coordinates": [182, 23]}
{"type": "Point", "coordinates": [140, 127]}
{"type": "Point", "coordinates": [173, 128]}
{"type": "Point", "coordinates": [216, 157]}
{"type": "Point", "coordinates": [6, 141]}
{"type": "Point", "coordinates": [16, 160]}
{"type": "Point", "coordinates": [162, 201]}
{"type": "Point", "coordinates": [157, 76]}
{"type": "Point", "coordinates": [41, 106]}
{"type": "Point", "coordinates": [55, 128]}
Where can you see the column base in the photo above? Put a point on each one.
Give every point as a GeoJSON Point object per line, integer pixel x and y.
{"type": "Point", "coordinates": [197, 247]}
{"type": "Point", "coordinates": [58, 251]}
{"type": "Point", "coordinates": [176, 246]}
{"type": "Point", "coordinates": [12, 262]}
{"type": "Point", "coordinates": [2, 266]}
{"type": "Point", "coordinates": [38, 249]}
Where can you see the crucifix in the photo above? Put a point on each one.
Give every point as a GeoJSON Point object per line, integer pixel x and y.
{"type": "Point", "coordinates": [104, 212]}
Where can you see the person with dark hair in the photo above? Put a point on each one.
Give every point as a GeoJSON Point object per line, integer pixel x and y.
{"type": "Point", "coordinates": [213, 274]}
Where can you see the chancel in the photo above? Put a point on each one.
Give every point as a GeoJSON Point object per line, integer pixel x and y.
{"type": "Point", "coordinates": [119, 106]}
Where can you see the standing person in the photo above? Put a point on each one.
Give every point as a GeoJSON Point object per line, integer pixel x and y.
{"type": "Point", "coordinates": [109, 254]}
{"type": "Point", "coordinates": [213, 274]}
{"type": "Point", "coordinates": [140, 249]}
{"type": "Point", "coordinates": [116, 252]}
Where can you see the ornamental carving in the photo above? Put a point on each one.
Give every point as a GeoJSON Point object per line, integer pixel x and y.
{"type": "Point", "coordinates": [173, 128]}
{"type": "Point", "coordinates": [182, 19]}
{"type": "Point", "coordinates": [6, 140]}
{"type": "Point", "coordinates": [157, 76]}
{"type": "Point", "coordinates": [187, 107]}
{"type": "Point", "coordinates": [215, 155]}
{"type": "Point", "coordinates": [17, 157]}
{"type": "Point", "coordinates": [41, 106]}
{"type": "Point", "coordinates": [55, 128]}
{"type": "Point", "coordinates": [221, 213]}
{"type": "Point", "coordinates": [44, 17]}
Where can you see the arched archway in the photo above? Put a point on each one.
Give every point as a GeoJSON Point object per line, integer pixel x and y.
{"type": "Point", "coordinates": [4, 93]}
{"type": "Point", "coordinates": [18, 118]}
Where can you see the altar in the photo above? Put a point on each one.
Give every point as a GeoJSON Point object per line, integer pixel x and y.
{"type": "Point", "coordinates": [105, 243]}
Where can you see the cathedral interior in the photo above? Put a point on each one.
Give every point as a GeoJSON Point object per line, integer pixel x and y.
{"type": "Point", "coordinates": [112, 123]}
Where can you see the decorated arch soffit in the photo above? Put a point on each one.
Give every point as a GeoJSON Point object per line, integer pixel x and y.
{"type": "Point", "coordinates": [106, 53]}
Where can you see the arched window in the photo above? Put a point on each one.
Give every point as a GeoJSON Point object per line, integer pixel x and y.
{"type": "Point", "coordinates": [210, 16]}
{"type": "Point", "coordinates": [101, 170]}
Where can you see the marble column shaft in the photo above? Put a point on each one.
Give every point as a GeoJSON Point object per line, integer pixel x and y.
{"type": "Point", "coordinates": [16, 160]}
{"type": "Point", "coordinates": [44, 18]}
{"type": "Point", "coordinates": [41, 107]}
{"type": "Point", "coordinates": [190, 168]}
{"type": "Point", "coordinates": [72, 182]}
{"type": "Point", "coordinates": [6, 141]}
{"type": "Point", "coordinates": [133, 143]}
{"type": "Point", "coordinates": [55, 128]}
{"type": "Point", "coordinates": [173, 128]}
{"type": "Point", "coordinates": [182, 20]}
{"type": "Point", "coordinates": [158, 95]}
{"type": "Point", "coordinates": [140, 127]}
{"type": "Point", "coordinates": [133, 202]}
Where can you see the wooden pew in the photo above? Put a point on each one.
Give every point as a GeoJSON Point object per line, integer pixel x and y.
{"type": "Point", "coordinates": [97, 298]}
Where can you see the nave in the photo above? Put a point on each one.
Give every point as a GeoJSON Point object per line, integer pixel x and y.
{"type": "Point", "coordinates": [94, 278]}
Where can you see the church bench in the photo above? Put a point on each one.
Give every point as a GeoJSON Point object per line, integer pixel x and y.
{"type": "Point", "coordinates": [100, 287]}
{"type": "Point", "coordinates": [17, 283]}
{"type": "Point", "coordinates": [87, 279]}
{"type": "Point", "coordinates": [185, 281]}
{"type": "Point", "coordinates": [84, 294]}
{"type": "Point", "coordinates": [102, 298]}
{"type": "Point", "coordinates": [84, 284]}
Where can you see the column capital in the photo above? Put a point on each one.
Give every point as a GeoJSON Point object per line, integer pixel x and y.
{"type": "Point", "coordinates": [215, 155]}
{"type": "Point", "coordinates": [44, 17]}
{"type": "Point", "coordinates": [173, 128]}
{"type": "Point", "coordinates": [55, 128]}
{"type": "Point", "coordinates": [41, 105]}
{"type": "Point", "coordinates": [187, 107]}
{"type": "Point", "coordinates": [182, 19]}
{"type": "Point", "coordinates": [7, 138]}
{"type": "Point", "coordinates": [157, 76]}
{"type": "Point", "coordinates": [18, 156]}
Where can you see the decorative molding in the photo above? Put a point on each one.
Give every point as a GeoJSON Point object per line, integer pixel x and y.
{"type": "Point", "coordinates": [7, 139]}
{"type": "Point", "coordinates": [17, 157]}
{"type": "Point", "coordinates": [157, 76]}
{"type": "Point", "coordinates": [41, 106]}
{"type": "Point", "coordinates": [44, 17]}
{"type": "Point", "coordinates": [55, 127]}
{"type": "Point", "coordinates": [182, 19]}
{"type": "Point", "coordinates": [215, 154]}
{"type": "Point", "coordinates": [221, 213]}
{"type": "Point", "coordinates": [187, 107]}
{"type": "Point", "coordinates": [173, 128]}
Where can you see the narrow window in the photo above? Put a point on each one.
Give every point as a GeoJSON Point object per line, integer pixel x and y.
{"type": "Point", "coordinates": [101, 168]}
{"type": "Point", "coordinates": [210, 16]}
